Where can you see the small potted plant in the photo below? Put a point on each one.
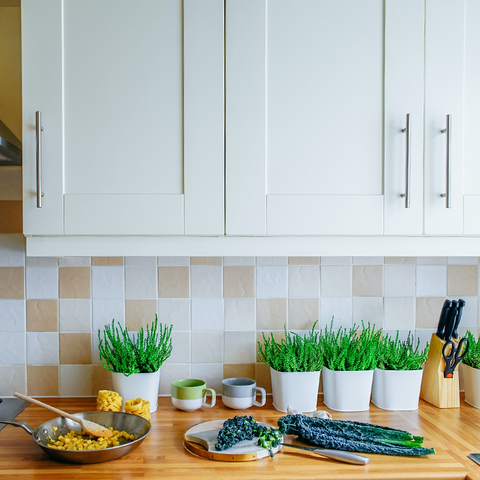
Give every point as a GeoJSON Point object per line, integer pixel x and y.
{"type": "Point", "coordinates": [135, 360]}
{"type": "Point", "coordinates": [350, 358]}
{"type": "Point", "coordinates": [295, 365]}
{"type": "Point", "coordinates": [471, 371]}
{"type": "Point", "coordinates": [398, 377]}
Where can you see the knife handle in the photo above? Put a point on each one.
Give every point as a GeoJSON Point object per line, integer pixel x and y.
{"type": "Point", "coordinates": [341, 456]}
{"type": "Point", "coordinates": [460, 305]}
{"type": "Point", "coordinates": [450, 325]}
{"type": "Point", "coordinates": [443, 319]}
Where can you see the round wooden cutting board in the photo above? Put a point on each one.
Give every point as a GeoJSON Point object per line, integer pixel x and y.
{"type": "Point", "coordinates": [201, 438]}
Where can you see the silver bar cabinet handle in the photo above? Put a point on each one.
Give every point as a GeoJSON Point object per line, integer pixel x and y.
{"type": "Point", "coordinates": [408, 170]}
{"type": "Point", "coordinates": [448, 131]}
{"type": "Point", "coordinates": [39, 130]}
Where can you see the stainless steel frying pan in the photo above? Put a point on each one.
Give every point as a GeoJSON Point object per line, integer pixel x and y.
{"type": "Point", "coordinates": [133, 424]}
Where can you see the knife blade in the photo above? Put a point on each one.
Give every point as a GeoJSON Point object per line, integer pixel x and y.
{"type": "Point", "coordinates": [450, 325]}
{"type": "Point", "coordinates": [443, 318]}
{"type": "Point", "coordinates": [460, 305]}
{"type": "Point", "coordinates": [339, 455]}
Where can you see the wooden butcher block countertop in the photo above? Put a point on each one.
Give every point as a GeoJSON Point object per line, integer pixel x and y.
{"type": "Point", "coordinates": [454, 433]}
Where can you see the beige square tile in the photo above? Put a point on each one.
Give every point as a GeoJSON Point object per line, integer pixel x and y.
{"type": "Point", "coordinates": [405, 260]}
{"type": "Point", "coordinates": [304, 260]}
{"type": "Point", "coordinates": [302, 313]}
{"type": "Point", "coordinates": [42, 316]}
{"type": "Point", "coordinates": [139, 313]}
{"type": "Point", "coordinates": [238, 282]}
{"type": "Point", "coordinates": [367, 280]}
{"type": "Point", "coordinates": [262, 377]}
{"type": "Point", "coordinates": [42, 381]}
{"type": "Point", "coordinates": [74, 282]}
{"type": "Point", "coordinates": [101, 379]}
{"type": "Point", "coordinates": [107, 261]}
{"type": "Point", "coordinates": [12, 282]}
{"type": "Point", "coordinates": [173, 282]}
{"type": "Point", "coordinates": [462, 280]}
{"type": "Point", "coordinates": [271, 313]}
{"type": "Point", "coordinates": [242, 370]}
{"type": "Point", "coordinates": [75, 348]}
{"type": "Point", "coordinates": [428, 311]}
{"type": "Point", "coordinates": [205, 260]}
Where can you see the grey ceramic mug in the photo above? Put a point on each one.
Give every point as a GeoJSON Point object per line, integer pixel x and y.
{"type": "Point", "coordinates": [240, 393]}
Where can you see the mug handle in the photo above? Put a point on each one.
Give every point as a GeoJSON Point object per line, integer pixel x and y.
{"type": "Point", "coordinates": [264, 396]}
{"type": "Point", "coordinates": [213, 395]}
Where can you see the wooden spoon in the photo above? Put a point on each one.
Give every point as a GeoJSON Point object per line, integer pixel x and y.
{"type": "Point", "coordinates": [90, 427]}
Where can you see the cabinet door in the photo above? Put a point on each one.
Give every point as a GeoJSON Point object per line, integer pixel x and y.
{"type": "Point", "coordinates": [304, 104]}
{"type": "Point", "coordinates": [139, 116]}
{"type": "Point", "coordinates": [444, 90]}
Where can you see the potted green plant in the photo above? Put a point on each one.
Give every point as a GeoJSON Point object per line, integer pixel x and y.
{"type": "Point", "coordinates": [135, 360]}
{"type": "Point", "coordinates": [471, 371]}
{"type": "Point", "coordinates": [398, 377]}
{"type": "Point", "coordinates": [350, 357]}
{"type": "Point", "coordinates": [295, 365]}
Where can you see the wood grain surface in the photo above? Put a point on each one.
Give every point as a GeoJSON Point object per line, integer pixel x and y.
{"type": "Point", "coordinates": [454, 433]}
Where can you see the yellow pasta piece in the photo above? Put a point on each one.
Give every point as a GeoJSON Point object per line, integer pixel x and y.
{"type": "Point", "coordinates": [83, 441]}
{"type": "Point", "coordinates": [138, 407]}
{"type": "Point", "coordinates": [108, 401]}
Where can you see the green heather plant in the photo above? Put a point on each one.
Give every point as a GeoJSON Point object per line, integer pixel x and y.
{"type": "Point", "coordinates": [350, 349]}
{"type": "Point", "coordinates": [143, 353]}
{"type": "Point", "coordinates": [472, 357]}
{"type": "Point", "coordinates": [294, 353]}
{"type": "Point", "coordinates": [401, 355]}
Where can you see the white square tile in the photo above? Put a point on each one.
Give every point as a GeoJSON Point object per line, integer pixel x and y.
{"type": "Point", "coordinates": [42, 282]}
{"type": "Point", "coordinates": [402, 334]}
{"type": "Point", "coordinates": [169, 373]}
{"type": "Point", "coordinates": [12, 316]}
{"type": "Point", "coordinates": [108, 282]}
{"type": "Point", "coordinates": [173, 261]}
{"type": "Point", "coordinates": [141, 282]}
{"type": "Point", "coordinates": [336, 260]}
{"type": "Point", "coordinates": [12, 379]}
{"type": "Point", "coordinates": [12, 250]}
{"type": "Point", "coordinates": [340, 308]}
{"type": "Point", "coordinates": [75, 380]}
{"type": "Point", "coordinates": [207, 314]}
{"type": "Point", "coordinates": [272, 261]}
{"type": "Point", "coordinates": [240, 347]}
{"type": "Point", "coordinates": [240, 314]}
{"type": "Point", "coordinates": [238, 261]}
{"type": "Point", "coordinates": [42, 348]}
{"type": "Point", "coordinates": [75, 261]}
{"type": "Point", "coordinates": [336, 281]}
{"type": "Point", "coordinates": [140, 261]}
{"type": "Point", "coordinates": [469, 312]}
{"type": "Point", "coordinates": [462, 260]}
{"type": "Point", "coordinates": [271, 282]}
{"type": "Point", "coordinates": [212, 374]}
{"type": "Point", "coordinates": [174, 311]}
{"type": "Point", "coordinates": [106, 310]}
{"type": "Point", "coordinates": [432, 260]}
{"type": "Point", "coordinates": [399, 280]}
{"type": "Point", "coordinates": [181, 348]}
{"type": "Point", "coordinates": [425, 335]}
{"type": "Point", "coordinates": [207, 347]}
{"type": "Point", "coordinates": [41, 262]}
{"type": "Point", "coordinates": [75, 315]}
{"type": "Point", "coordinates": [367, 260]}
{"type": "Point", "coordinates": [431, 281]}
{"type": "Point", "coordinates": [12, 348]}
{"type": "Point", "coordinates": [207, 281]}
{"type": "Point", "coordinates": [368, 309]}
{"type": "Point", "coordinates": [303, 281]}
{"type": "Point", "coordinates": [399, 314]}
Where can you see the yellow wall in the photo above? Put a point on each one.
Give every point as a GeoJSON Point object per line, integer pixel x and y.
{"type": "Point", "coordinates": [11, 69]}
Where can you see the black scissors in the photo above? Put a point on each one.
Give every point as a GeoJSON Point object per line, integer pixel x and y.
{"type": "Point", "coordinates": [456, 355]}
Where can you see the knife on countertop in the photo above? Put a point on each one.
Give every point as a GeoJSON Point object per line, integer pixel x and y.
{"type": "Point", "coordinates": [339, 455]}
{"type": "Point", "coordinates": [443, 319]}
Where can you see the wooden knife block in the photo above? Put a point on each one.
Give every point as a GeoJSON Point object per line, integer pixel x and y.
{"type": "Point", "coordinates": [436, 389]}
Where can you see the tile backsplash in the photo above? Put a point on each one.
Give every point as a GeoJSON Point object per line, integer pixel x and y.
{"type": "Point", "coordinates": [51, 309]}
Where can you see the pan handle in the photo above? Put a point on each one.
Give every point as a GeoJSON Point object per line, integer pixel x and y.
{"type": "Point", "coordinates": [17, 423]}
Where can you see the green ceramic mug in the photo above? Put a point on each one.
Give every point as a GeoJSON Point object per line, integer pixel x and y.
{"type": "Point", "coordinates": [189, 394]}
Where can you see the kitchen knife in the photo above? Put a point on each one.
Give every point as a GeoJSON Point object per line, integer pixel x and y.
{"type": "Point", "coordinates": [443, 318]}
{"type": "Point", "coordinates": [339, 455]}
{"type": "Point", "coordinates": [460, 305]}
{"type": "Point", "coordinates": [450, 325]}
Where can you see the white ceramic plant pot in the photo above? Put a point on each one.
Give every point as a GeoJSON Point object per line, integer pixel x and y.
{"type": "Point", "coordinates": [396, 389]}
{"type": "Point", "coordinates": [138, 385]}
{"type": "Point", "coordinates": [471, 385]}
{"type": "Point", "coordinates": [299, 390]}
{"type": "Point", "coordinates": [347, 391]}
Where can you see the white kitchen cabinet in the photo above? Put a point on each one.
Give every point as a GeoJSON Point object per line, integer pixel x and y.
{"type": "Point", "coordinates": [132, 110]}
